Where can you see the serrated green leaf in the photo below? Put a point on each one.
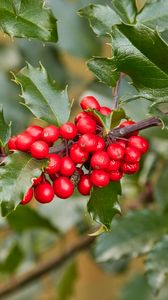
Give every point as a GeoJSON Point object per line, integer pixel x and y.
{"type": "Point", "coordinates": [5, 129]}
{"type": "Point", "coordinates": [161, 188]}
{"type": "Point", "coordinates": [156, 265]}
{"type": "Point", "coordinates": [125, 9]}
{"type": "Point", "coordinates": [101, 18]}
{"type": "Point", "coordinates": [13, 259]}
{"type": "Point", "coordinates": [103, 204]}
{"type": "Point", "coordinates": [30, 19]}
{"type": "Point", "coordinates": [159, 114]}
{"type": "Point", "coordinates": [132, 235]}
{"type": "Point", "coordinates": [26, 218]}
{"type": "Point", "coordinates": [66, 285]}
{"type": "Point", "coordinates": [105, 70]}
{"type": "Point", "coordinates": [15, 178]}
{"type": "Point", "coordinates": [42, 96]}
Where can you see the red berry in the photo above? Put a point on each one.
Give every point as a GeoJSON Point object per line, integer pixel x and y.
{"type": "Point", "coordinates": [27, 196]}
{"type": "Point", "coordinates": [88, 142]}
{"type": "Point", "coordinates": [68, 130]}
{"type": "Point", "coordinates": [128, 123]}
{"type": "Point", "coordinates": [63, 187]}
{"type": "Point", "coordinates": [122, 143]}
{"type": "Point", "coordinates": [86, 125]}
{"type": "Point", "coordinates": [35, 131]}
{"type": "Point", "coordinates": [39, 150]}
{"type": "Point", "coordinates": [24, 142]}
{"type": "Point", "coordinates": [67, 166]}
{"type": "Point", "coordinates": [89, 102]}
{"type": "Point", "coordinates": [99, 178]}
{"type": "Point", "coordinates": [132, 154]}
{"type": "Point", "coordinates": [78, 155]}
{"type": "Point", "coordinates": [139, 142]}
{"type": "Point", "coordinates": [116, 151]}
{"type": "Point", "coordinates": [50, 134]}
{"type": "Point", "coordinates": [100, 144]}
{"type": "Point", "coordinates": [114, 165]}
{"type": "Point", "coordinates": [37, 180]}
{"type": "Point", "coordinates": [129, 168]}
{"type": "Point", "coordinates": [44, 192]}
{"type": "Point", "coordinates": [84, 185]}
{"type": "Point", "coordinates": [54, 164]}
{"type": "Point", "coordinates": [104, 110]}
{"type": "Point", "coordinates": [100, 160]}
{"type": "Point", "coordinates": [81, 115]}
{"type": "Point", "coordinates": [115, 175]}
{"type": "Point", "coordinates": [12, 143]}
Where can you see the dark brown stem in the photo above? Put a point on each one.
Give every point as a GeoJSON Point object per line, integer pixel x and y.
{"type": "Point", "coordinates": [42, 268]}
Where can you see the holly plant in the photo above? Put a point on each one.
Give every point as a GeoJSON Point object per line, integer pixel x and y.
{"type": "Point", "coordinates": [95, 152]}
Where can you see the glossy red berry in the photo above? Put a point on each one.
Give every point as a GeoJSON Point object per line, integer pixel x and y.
{"type": "Point", "coordinates": [35, 131]}
{"type": "Point", "coordinates": [88, 142]}
{"type": "Point", "coordinates": [38, 180]}
{"type": "Point", "coordinates": [100, 160]}
{"type": "Point", "coordinates": [86, 125]}
{"type": "Point", "coordinates": [12, 143]}
{"type": "Point", "coordinates": [54, 164]}
{"type": "Point", "coordinates": [67, 166]}
{"type": "Point", "coordinates": [129, 168]}
{"type": "Point", "coordinates": [123, 143]}
{"type": "Point", "coordinates": [114, 165]}
{"type": "Point", "coordinates": [116, 151]}
{"type": "Point", "coordinates": [139, 142]}
{"type": "Point", "coordinates": [104, 110]}
{"type": "Point", "coordinates": [100, 144]}
{"type": "Point", "coordinates": [80, 115]}
{"type": "Point", "coordinates": [128, 123]}
{"type": "Point", "coordinates": [89, 102]}
{"type": "Point", "coordinates": [115, 175]}
{"type": "Point", "coordinates": [68, 130]}
{"type": "Point", "coordinates": [99, 178]}
{"type": "Point", "coordinates": [39, 150]}
{"type": "Point", "coordinates": [132, 154]}
{"type": "Point", "coordinates": [50, 134]}
{"type": "Point", "coordinates": [84, 185]}
{"type": "Point", "coordinates": [78, 155]}
{"type": "Point", "coordinates": [27, 196]}
{"type": "Point", "coordinates": [63, 187]}
{"type": "Point", "coordinates": [44, 192]}
{"type": "Point", "coordinates": [24, 142]}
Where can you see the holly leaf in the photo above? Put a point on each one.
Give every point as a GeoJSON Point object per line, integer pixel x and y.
{"type": "Point", "coordinates": [26, 218]}
{"type": "Point", "coordinates": [5, 129]}
{"type": "Point", "coordinates": [101, 18]}
{"type": "Point", "coordinates": [125, 9]}
{"type": "Point", "coordinates": [16, 174]}
{"type": "Point", "coordinates": [12, 260]}
{"type": "Point", "coordinates": [103, 204]}
{"type": "Point", "coordinates": [105, 70]}
{"type": "Point", "coordinates": [28, 19]}
{"type": "Point", "coordinates": [129, 239]}
{"type": "Point", "coordinates": [42, 96]}
{"type": "Point", "coordinates": [159, 114]}
{"type": "Point", "coordinates": [156, 265]}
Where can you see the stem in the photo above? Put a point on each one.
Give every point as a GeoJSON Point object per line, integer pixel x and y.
{"type": "Point", "coordinates": [116, 93]}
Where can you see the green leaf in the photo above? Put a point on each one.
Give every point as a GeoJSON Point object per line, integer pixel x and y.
{"type": "Point", "coordinates": [5, 129]}
{"type": "Point", "coordinates": [13, 259]}
{"type": "Point", "coordinates": [103, 204]}
{"type": "Point", "coordinates": [125, 9]}
{"type": "Point", "coordinates": [159, 114]}
{"type": "Point", "coordinates": [155, 14]}
{"type": "Point", "coordinates": [105, 70]}
{"type": "Point", "coordinates": [156, 265]}
{"type": "Point", "coordinates": [26, 218]}
{"type": "Point", "coordinates": [101, 18]}
{"type": "Point", "coordinates": [161, 188]}
{"type": "Point", "coordinates": [66, 285]}
{"type": "Point", "coordinates": [132, 235]}
{"type": "Point", "coordinates": [28, 19]}
{"type": "Point", "coordinates": [15, 178]}
{"type": "Point", "coordinates": [42, 96]}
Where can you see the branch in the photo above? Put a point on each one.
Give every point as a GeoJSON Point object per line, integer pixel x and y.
{"type": "Point", "coordinates": [42, 268]}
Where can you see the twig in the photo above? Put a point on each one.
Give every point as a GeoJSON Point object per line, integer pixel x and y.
{"type": "Point", "coordinates": [42, 268]}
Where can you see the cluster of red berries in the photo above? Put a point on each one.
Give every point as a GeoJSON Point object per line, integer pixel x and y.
{"type": "Point", "coordinates": [87, 157]}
